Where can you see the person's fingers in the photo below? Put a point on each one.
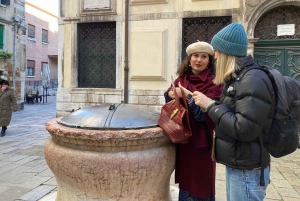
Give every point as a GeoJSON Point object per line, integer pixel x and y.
{"type": "Point", "coordinates": [195, 93]}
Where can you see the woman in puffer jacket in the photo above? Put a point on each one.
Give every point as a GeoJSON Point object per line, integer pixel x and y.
{"type": "Point", "coordinates": [242, 116]}
{"type": "Point", "coordinates": [8, 103]}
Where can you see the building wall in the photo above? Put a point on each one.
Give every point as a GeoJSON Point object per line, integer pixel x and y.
{"type": "Point", "coordinates": [37, 50]}
{"type": "Point", "coordinates": [14, 42]}
{"type": "Point", "coordinates": [153, 23]}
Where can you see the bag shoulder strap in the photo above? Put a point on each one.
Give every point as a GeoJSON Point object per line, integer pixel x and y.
{"type": "Point", "coordinates": [186, 106]}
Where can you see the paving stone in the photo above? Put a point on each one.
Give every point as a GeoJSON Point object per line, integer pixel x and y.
{"type": "Point", "coordinates": [37, 193]}
{"type": "Point", "coordinates": [289, 165]}
{"type": "Point", "coordinates": [13, 193]}
{"type": "Point", "coordinates": [7, 168]}
{"type": "Point", "coordinates": [281, 183]}
{"type": "Point", "coordinates": [276, 175]}
{"type": "Point", "coordinates": [272, 193]}
{"type": "Point", "coordinates": [7, 150]}
{"type": "Point", "coordinates": [297, 171]}
{"type": "Point", "coordinates": [4, 163]}
{"type": "Point", "coordinates": [35, 162]}
{"type": "Point", "coordinates": [49, 197]}
{"type": "Point", "coordinates": [293, 180]}
{"type": "Point", "coordinates": [38, 169]}
{"type": "Point", "coordinates": [46, 173]}
{"type": "Point", "coordinates": [34, 182]}
{"type": "Point", "coordinates": [26, 160]}
{"type": "Point", "coordinates": [4, 156]}
{"type": "Point", "coordinates": [221, 184]}
{"type": "Point", "coordinates": [221, 176]}
{"type": "Point", "coordinates": [13, 172]}
{"type": "Point", "coordinates": [4, 188]}
{"type": "Point", "coordinates": [20, 178]}
{"type": "Point", "coordinates": [297, 188]}
{"type": "Point", "coordinates": [287, 192]}
{"type": "Point", "coordinates": [51, 182]}
{"type": "Point", "coordinates": [290, 199]}
{"type": "Point", "coordinates": [284, 170]}
{"type": "Point", "coordinates": [15, 158]}
{"type": "Point", "coordinates": [273, 164]}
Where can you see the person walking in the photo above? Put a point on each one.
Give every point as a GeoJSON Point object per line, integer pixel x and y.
{"type": "Point", "coordinates": [195, 170]}
{"type": "Point", "coordinates": [242, 116]}
{"type": "Point", "coordinates": [8, 103]}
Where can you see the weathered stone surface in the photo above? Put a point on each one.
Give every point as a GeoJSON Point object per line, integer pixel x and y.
{"type": "Point", "coordinates": [110, 164]}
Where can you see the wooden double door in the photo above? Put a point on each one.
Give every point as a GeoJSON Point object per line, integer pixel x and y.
{"type": "Point", "coordinates": [286, 59]}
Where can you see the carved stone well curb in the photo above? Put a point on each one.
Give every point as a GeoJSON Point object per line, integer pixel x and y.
{"type": "Point", "coordinates": [110, 165]}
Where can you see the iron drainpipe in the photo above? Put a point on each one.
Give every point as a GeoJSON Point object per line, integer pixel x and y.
{"type": "Point", "coordinates": [126, 68]}
{"type": "Point", "coordinates": [14, 56]}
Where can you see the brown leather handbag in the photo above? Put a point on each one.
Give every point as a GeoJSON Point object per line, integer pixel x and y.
{"type": "Point", "coordinates": [174, 120]}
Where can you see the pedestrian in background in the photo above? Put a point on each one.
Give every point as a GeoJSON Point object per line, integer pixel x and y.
{"type": "Point", "coordinates": [243, 115]}
{"type": "Point", "coordinates": [195, 170]}
{"type": "Point", "coordinates": [8, 103]}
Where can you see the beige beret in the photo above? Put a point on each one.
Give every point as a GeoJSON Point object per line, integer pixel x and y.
{"type": "Point", "coordinates": [199, 47]}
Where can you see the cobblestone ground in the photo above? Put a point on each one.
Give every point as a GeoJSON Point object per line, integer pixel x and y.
{"type": "Point", "coordinates": [25, 176]}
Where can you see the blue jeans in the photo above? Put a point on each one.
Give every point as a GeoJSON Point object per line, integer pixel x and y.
{"type": "Point", "coordinates": [244, 185]}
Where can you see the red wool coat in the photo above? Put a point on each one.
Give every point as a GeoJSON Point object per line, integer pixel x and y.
{"type": "Point", "coordinates": [195, 171]}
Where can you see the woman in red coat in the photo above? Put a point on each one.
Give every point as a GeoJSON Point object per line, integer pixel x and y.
{"type": "Point", "coordinates": [195, 169]}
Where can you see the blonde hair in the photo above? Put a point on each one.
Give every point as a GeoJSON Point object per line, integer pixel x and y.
{"type": "Point", "coordinates": [224, 68]}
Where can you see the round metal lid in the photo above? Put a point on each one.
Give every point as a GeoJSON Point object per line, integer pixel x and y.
{"type": "Point", "coordinates": [112, 116]}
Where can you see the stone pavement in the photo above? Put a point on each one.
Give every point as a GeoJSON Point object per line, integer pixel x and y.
{"type": "Point", "coordinates": [25, 176]}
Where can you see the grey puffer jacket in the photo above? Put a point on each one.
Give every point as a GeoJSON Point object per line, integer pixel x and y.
{"type": "Point", "coordinates": [8, 103]}
{"type": "Point", "coordinates": [244, 113]}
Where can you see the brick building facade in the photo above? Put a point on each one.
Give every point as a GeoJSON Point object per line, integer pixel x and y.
{"type": "Point", "coordinates": [41, 48]}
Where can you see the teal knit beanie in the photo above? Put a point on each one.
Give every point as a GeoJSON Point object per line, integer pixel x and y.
{"type": "Point", "coordinates": [231, 40]}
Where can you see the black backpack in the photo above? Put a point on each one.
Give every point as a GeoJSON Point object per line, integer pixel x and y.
{"type": "Point", "coordinates": [283, 137]}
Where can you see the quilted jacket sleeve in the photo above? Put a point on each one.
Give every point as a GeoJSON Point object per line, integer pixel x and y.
{"type": "Point", "coordinates": [243, 116]}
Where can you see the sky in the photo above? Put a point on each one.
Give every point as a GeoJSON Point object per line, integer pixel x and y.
{"type": "Point", "coordinates": [49, 5]}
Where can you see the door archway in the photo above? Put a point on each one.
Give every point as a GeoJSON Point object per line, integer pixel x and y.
{"type": "Point", "coordinates": [280, 52]}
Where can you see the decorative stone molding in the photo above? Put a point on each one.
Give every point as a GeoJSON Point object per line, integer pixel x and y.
{"type": "Point", "coordinates": [254, 13]}
{"type": "Point", "coordinates": [202, 0]}
{"type": "Point", "coordinates": [97, 7]}
{"type": "Point", "coordinates": [153, 16]}
{"type": "Point", "coordinates": [70, 19]}
{"type": "Point", "coordinates": [142, 45]}
{"type": "Point", "coordinates": [146, 2]}
{"type": "Point", "coordinates": [251, 42]}
{"type": "Point", "coordinates": [207, 13]}
{"type": "Point", "coordinates": [252, 3]}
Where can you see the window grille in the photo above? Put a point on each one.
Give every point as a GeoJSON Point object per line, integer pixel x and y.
{"type": "Point", "coordinates": [266, 28]}
{"type": "Point", "coordinates": [97, 55]}
{"type": "Point", "coordinates": [202, 29]}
